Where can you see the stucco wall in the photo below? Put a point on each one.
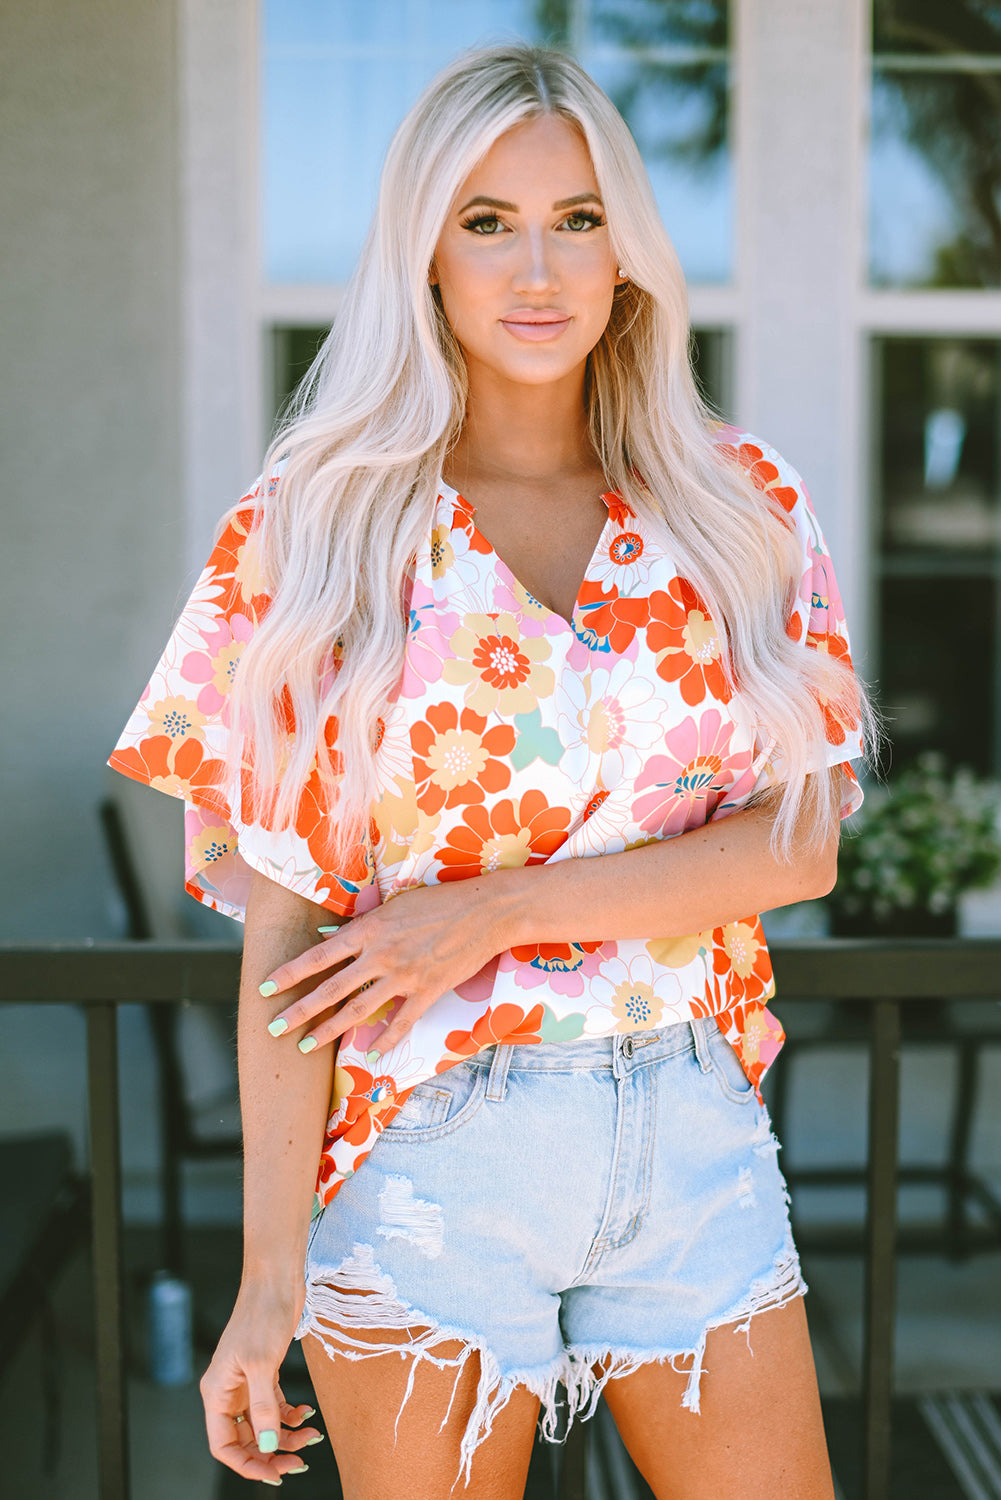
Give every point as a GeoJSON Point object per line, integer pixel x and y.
{"type": "Point", "coordinates": [92, 519]}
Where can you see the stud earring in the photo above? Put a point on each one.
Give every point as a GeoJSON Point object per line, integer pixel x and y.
{"type": "Point", "coordinates": [621, 272]}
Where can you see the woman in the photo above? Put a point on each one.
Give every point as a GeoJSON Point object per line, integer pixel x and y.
{"type": "Point", "coordinates": [528, 650]}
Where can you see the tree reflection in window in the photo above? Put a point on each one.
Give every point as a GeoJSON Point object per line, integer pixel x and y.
{"type": "Point", "coordinates": [936, 143]}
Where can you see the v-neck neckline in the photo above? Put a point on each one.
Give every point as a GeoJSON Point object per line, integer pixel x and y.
{"type": "Point", "coordinates": [469, 510]}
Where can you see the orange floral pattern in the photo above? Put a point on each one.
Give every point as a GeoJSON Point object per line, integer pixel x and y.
{"type": "Point", "coordinates": [517, 737]}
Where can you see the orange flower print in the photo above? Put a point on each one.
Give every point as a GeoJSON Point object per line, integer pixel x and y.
{"type": "Point", "coordinates": [762, 471]}
{"type": "Point", "coordinates": [686, 641]}
{"type": "Point", "coordinates": [841, 715]}
{"type": "Point", "coordinates": [504, 1024]}
{"type": "Point", "coordinates": [180, 768]}
{"type": "Point", "coordinates": [501, 669]}
{"type": "Point", "coordinates": [755, 1035]}
{"type": "Point", "coordinates": [606, 622]}
{"type": "Point", "coordinates": [457, 759]}
{"type": "Point", "coordinates": [463, 519]}
{"type": "Point", "coordinates": [504, 836]}
{"type": "Point", "coordinates": [741, 955]}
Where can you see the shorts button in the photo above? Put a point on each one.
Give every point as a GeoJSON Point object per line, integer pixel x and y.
{"type": "Point", "coordinates": [628, 1047]}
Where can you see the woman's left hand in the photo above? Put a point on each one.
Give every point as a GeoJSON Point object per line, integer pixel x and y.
{"type": "Point", "coordinates": [413, 949]}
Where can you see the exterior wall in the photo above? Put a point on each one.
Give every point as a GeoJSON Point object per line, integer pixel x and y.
{"type": "Point", "coordinates": [93, 527]}
{"type": "Point", "coordinates": [93, 523]}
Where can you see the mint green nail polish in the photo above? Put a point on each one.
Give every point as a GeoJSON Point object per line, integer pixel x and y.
{"type": "Point", "coordinates": [267, 1440]}
{"type": "Point", "coordinates": [372, 1057]}
{"type": "Point", "coordinates": [311, 1441]}
{"type": "Point", "coordinates": [278, 1026]}
{"type": "Point", "coordinates": [309, 1412]}
{"type": "Point", "coordinates": [328, 929]}
{"type": "Point", "coordinates": [302, 1469]}
{"type": "Point", "coordinates": [268, 988]}
{"type": "Point", "coordinates": [307, 1044]}
{"type": "Point", "coordinates": [275, 1482]}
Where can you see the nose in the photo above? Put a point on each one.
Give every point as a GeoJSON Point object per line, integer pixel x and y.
{"type": "Point", "coordinates": [535, 271]}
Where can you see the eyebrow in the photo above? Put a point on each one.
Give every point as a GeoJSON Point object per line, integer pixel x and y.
{"type": "Point", "coordinates": [512, 208]}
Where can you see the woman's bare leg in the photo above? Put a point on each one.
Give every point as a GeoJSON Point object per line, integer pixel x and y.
{"type": "Point", "coordinates": [361, 1399]}
{"type": "Point", "coordinates": [759, 1435]}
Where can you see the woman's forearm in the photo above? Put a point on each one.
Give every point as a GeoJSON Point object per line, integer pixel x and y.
{"type": "Point", "coordinates": [284, 1095]}
{"type": "Point", "coordinates": [698, 880]}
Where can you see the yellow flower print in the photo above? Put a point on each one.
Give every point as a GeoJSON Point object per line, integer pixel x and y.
{"type": "Point", "coordinates": [249, 575]}
{"type": "Point", "coordinates": [742, 947]}
{"type": "Point", "coordinates": [442, 555]}
{"type": "Point", "coordinates": [636, 1006]}
{"type": "Point", "coordinates": [212, 845]}
{"type": "Point", "coordinates": [178, 718]}
{"type": "Point", "coordinates": [679, 952]}
{"type": "Point", "coordinates": [501, 670]}
{"type": "Point", "coordinates": [403, 829]}
{"type": "Point", "coordinates": [224, 665]}
{"type": "Point", "coordinates": [457, 756]}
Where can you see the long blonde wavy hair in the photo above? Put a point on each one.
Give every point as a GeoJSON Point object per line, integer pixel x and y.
{"type": "Point", "coordinates": [361, 450]}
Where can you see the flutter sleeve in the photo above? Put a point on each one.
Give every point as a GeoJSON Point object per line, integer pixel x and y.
{"type": "Point", "coordinates": [178, 737]}
{"type": "Point", "coordinates": [816, 619]}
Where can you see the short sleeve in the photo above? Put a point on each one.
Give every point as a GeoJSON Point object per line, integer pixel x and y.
{"type": "Point", "coordinates": [177, 741]}
{"type": "Point", "coordinates": [816, 619]}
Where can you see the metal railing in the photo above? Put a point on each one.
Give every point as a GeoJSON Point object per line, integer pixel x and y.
{"type": "Point", "coordinates": [889, 975]}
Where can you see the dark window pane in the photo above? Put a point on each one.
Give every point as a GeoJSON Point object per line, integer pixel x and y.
{"type": "Point", "coordinates": [939, 460]}
{"type": "Point", "coordinates": [936, 26]}
{"type": "Point", "coordinates": [935, 179]}
{"type": "Point", "coordinates": [938, 483]}
{"type": "Point", "coordinates": [938, 667]}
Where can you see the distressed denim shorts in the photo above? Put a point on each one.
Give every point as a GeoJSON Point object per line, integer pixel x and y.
{"type": "Point", "coordinates": [635, 1205]}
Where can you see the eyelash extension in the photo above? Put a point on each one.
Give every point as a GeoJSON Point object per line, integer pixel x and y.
{"type": "Point", "coordinates": [588, 214]}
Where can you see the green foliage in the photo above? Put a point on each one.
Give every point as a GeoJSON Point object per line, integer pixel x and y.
{"type": "Point", "coordinates": [920, 841]}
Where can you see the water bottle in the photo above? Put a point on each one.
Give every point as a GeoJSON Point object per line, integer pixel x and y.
{"type": "Point", "coordinates": [170, 1342]}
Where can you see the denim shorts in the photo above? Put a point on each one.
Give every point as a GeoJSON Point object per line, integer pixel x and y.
{"type": "Point", "coordinates": [569, 1210]}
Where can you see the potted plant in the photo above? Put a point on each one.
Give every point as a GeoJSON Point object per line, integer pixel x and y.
{"type": "Point", "coordinates": [918, 842]}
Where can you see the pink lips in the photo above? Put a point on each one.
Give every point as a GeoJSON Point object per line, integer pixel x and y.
{"type": "Point", "coordinates": [536, 327]}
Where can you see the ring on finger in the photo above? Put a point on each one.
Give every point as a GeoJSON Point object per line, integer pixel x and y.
{"type": "Point", "coordinates": [239, 1417]}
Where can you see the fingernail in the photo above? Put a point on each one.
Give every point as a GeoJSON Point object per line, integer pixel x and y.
{"type": "Point", "coordinates": [373, 1056]}
{"type": "Point", "coordinates": [275, 1482]}
{"type": "Point", "coordinates": [302, 1469]}
{"type": "Point", "coordinates": [268, 988]}
{"type": "Point", "coordinates": [310, 1441]}
{"type": "Point", "coordinates": [325, 930]}
{"type": "Point", "coordinates": [309, 1412]}
{"type": "Point", "coordinates": [307, 1044]}
{"type": "Point", "coordinates": [267, 1440]}
{"type": "Point", "coordinates": [278, 1026]}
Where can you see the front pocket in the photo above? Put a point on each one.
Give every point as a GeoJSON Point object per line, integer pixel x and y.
{"type": "Point", "coordinates": [439, 1105]}
{"type": "Point", "coordinates": [726, 1068]}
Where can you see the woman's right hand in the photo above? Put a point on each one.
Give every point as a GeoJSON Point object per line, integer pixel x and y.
{"type": "Point", "coordinates": [251, 1427]}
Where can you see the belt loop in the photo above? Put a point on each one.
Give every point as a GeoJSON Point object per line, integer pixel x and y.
{"type": "Point", "coordinates": [698, 1026]}
{"type": "Point", "coordinates": [497, 1082]}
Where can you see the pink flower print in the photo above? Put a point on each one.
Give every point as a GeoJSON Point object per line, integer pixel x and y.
{"type": "Point", "coordinates": [688, 784]}
{"type": "Point", "coordinates": [216, 664]}
{"type": "Point", "coordinates": [429, 633]}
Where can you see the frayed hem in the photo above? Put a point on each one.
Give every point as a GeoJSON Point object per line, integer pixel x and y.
{"type": "Point", "coordinates": [367, 1299]}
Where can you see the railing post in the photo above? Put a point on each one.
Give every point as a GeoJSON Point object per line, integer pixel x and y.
{"type": "Point", "coordinates": [881, 1236]}
{"type": "Point", "coordinates": [106, 1222]}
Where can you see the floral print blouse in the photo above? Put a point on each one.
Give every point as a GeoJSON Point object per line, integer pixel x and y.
{"type": "Point", "coordinates": [517, 738]}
